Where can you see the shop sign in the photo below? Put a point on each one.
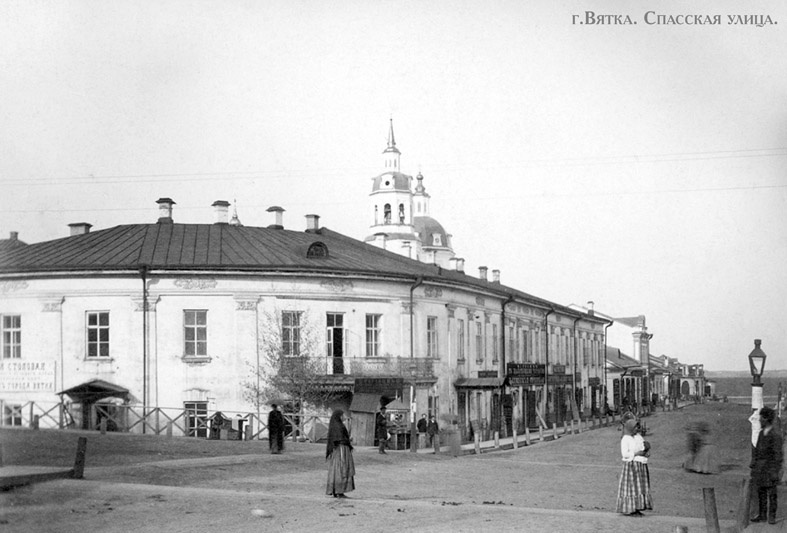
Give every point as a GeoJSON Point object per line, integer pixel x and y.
{"type": "Point", "coordinates": [27, 376]}
{"type": "Point", "coordinates": [594, 382]}
{"type": "Point", "coordinates": [487, 373]}
{"type": "Point", "coordinates": [526, 369]}
{"type": "Point", "coordinates": [558, 369]}
{"type": "Point", "coordinates": [379, 385]}
{"type": "Point", "coordinates": [637, 373]}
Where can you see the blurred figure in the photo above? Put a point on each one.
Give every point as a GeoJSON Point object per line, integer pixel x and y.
{"type": "Point", "coordinates": [338, 452]}
{"type": "Point", "coordinates": [766, 466]}
{"type": "Point", "coordinates": [701, 456]}
{"type": "Point", "coordinates": [381, 429]}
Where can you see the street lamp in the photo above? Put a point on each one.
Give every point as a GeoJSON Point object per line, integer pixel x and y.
{"type": "Point", "coordinates": [756, 365]}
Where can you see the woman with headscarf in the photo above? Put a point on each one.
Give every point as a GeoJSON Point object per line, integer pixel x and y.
{"type": "Point", "coordinates": [338, 452]}
{"type": "Point", "coordinates": [631, 496]}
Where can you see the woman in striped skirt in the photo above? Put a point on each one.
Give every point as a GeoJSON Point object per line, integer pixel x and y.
{"type": "Point", "coordinates": [341, 468]}
{"type": "Point", "coordinates": [634, 487]}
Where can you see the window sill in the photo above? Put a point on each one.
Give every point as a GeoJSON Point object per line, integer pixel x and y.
{"type": "Point", "coordinates": [479, 362]}
{"type": "Point", "coordinates": [196, 359]}
{"type": "Point", "coordinates": [107, 359]}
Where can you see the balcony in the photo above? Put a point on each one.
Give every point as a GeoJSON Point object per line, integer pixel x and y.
{"type": "Point", "coordinates": [404, 367]}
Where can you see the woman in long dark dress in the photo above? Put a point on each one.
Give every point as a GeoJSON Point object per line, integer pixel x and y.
{"type": "Point", "coordinates": [275, 430]}
{"type": "Point", "coordinates": [338, 452]}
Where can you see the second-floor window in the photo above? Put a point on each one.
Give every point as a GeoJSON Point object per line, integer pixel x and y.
{"type": "Point", "coordinates": [291, 333]}
{"type": "Point", "coordinates": [373, 335]}
{"type": "Point", "coordinates": [479, 342]}
{"type": "Point", "coordinates": [98, 334]}
{"type": "Point", "coordinates": [195, 333]}
{"type": "Point", "coordinates": [431, 336]}
{"type": "Point", "coordinates": [11, 338]}
{"type": "Point", "coordinates": [494, 342]}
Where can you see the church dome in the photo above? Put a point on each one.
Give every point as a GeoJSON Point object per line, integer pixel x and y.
{"type": "Point", "coordinates": [431, 233]}
{"type": "Point", "coordinates": [388, 181]}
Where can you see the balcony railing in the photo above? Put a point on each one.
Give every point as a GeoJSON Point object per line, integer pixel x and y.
{"type": "Point", "coordinates": [381, 366]}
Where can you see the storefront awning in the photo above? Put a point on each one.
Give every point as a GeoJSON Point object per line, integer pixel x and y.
{"type": "Point", "coordinates": [479, 383]}
{"type": "Point", "coordinates": [95, 390]}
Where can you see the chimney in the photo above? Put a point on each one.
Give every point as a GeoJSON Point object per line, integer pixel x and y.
{"type": "Point", "coordinates": [379, 239]}
{"type": "Point", "coordinates": [313, 223]}
{"type": "Point", "coordinates": [482, 273]}
{"type": "Point", "coordinates": [591, 304]}
{"type": "Point", "coordinates": [14, 236]}
{"type": "Point", "coordinates": [222, 210]}
{"type": "Point", "coordinates": [279, 224]}
{"type": "Point", "coordinates": [80, 228]}
{"type": "Point", "coordinates": [407, 245]}
{"type": "Point", "coordinates": [165, 210]}
{"type": "Point", "coordinates": [496, 276]}
{"type": "Point", "coordinates": [460, 265]}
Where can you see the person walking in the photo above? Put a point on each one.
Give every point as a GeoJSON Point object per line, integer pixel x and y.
{"type": "Point", "coordinates": [339, 454]}
{"type": "Point", "coordinates": [421, 426]}
{"type": "Point", "coordinates": [381, 429]}
{"type": "Point", "coordinates": [766, 466]}
{"type": "Point", "coordinates": [642, 447]}
{"type": "Point", "coordinates": [275, 430]}
{"type": "Point", "coordinates": [630, 500]}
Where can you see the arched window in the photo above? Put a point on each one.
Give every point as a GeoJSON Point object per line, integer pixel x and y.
{"type": "Point", "coordinates": [401, 213]}
{"type": "Point", "coordinates": [317, 249]}
{"type": "Point", "coordinates": [375, 214]}
{"type": "Point", "coordinates": [387, 214]}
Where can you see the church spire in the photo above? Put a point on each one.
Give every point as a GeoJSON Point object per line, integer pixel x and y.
{"type": "Point", "coordinates": [391, 153]}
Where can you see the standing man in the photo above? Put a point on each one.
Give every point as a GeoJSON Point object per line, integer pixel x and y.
{"type": "Point", "coordinates": [275, 430]}
{"type": "Point", "coordinates": [432, 429]}
{"type": "Point", "coordinates": [421, 426]}
{"type": "Point", "coordinates": [381, 429]}
{"type": "Point", "coordinates": [766, 466]}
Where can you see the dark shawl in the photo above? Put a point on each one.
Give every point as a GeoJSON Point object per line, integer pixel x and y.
{"type": "Point", "coordinates": [337, 433]}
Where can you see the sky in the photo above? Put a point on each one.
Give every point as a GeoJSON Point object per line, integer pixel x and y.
{"type": "Point", "coordinates": [642, 167]}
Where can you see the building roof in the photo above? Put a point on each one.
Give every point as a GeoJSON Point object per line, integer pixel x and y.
{"type": "Point", "coordinates": [10, 244]}
{"type": "Point", "coordinates": [426, 227]}
{"type": "Point", "coordinates": [224, 247]}
{"type": "Point", "coordinates": [392, 181]}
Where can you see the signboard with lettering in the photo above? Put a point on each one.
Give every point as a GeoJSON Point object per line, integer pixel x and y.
{"type": "Point", "coordinates": [390, 386]}
{"type": "Point", "coordinates": [558, 369]}
{"type": "Point", "coordinates": [27, 376]}
{"type": "Point", "coordinates": [487, 373]}
{"type": "Point", "coordinates": [594, 382]}
{"type": "Point", "coordinates": [524, 374]}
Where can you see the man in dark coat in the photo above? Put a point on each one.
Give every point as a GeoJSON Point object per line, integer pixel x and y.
{"type": "Point", "coordinates": [432, 429]}
{"type": "Point", "coordinates": [275, 430]}
{"type": "Point", "coordinates": [381, 429]}
{"type": "Point", "coordinates": [766, 466]}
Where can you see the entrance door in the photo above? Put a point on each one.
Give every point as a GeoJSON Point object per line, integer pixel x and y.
{"type": "Point", "coordinates": [508, 414]}
{"type": "Point", "coordinates": [196, 419]}
{"type": "Point", "coordinates": [461, 408]}
{"type": "Point", "coordinates": [529, 408]}
{"type": "Point", "coordinates": [335, 324]}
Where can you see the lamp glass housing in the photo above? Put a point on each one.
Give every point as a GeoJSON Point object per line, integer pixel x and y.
{"type": "Point", "coordinates": [757, 363]}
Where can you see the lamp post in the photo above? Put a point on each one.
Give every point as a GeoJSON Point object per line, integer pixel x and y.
{"type": "Point", "coordinates": [756, 365]}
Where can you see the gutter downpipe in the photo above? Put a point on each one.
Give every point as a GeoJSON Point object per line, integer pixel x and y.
{"type": "Point", "coordinates": [606, 392]}
{"type": "Point", "coordinates": [546, 365]}
{"type": "Point", "coordinates": [413, 434]}
{"type": "Point", "coordinates": [503, 358]}
{"type": "Point", "coordinates": [574, 373]}
{"type": "Point", "coordinates": [143, 271]}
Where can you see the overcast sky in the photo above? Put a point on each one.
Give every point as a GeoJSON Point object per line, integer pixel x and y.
{"type": "Point", "coordinates": [643, 167]}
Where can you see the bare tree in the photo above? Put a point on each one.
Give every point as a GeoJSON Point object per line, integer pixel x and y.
{"type": "Point", "coordinates": [293, 365]}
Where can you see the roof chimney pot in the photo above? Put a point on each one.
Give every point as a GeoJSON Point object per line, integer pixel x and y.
{"type": "Point", "coordinates": [482, 273]}
{"type": "Point", "coordinates": [313, 223]}
{"type": "Point", "coordinates": [222, 210]}
{"type": "Point", "coordinates": [279, 217]}
{"type": "Point", "coordinates": [165, 210]}
{"type": "Point", "coordinates": [496, 276]}
{"type": "Point", "coordinates": [80, 228]}
{"type": "Point", "coordinates": [14, 236]}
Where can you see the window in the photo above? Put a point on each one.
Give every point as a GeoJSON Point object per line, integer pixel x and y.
{"type": "Point", "coordinates": [401, 213]}
{"type": "Point", "coordinates": [431, 336]}
{"type": "Point", "coordinates": [461, 339]}
{"type": "Point", "coordinates": [387, 214]}
{"type": "Point", "coordinates": [196, 419]}
{"type": "Point", "coordinates": [291, 332]}
{"type": "Point", "coordinates": [195, 329]}
{"type": "Point", "coordinates": [11, 338]}
{"type": "Point", "coordinates": [373, 335]}
{"type": "Point", "coordinates": [436, 239]}
{"type": "Point", "coordinates": [511, 353]}
{"type": "Point", "coordinates": [479, 342]}
{"type": "Point", "coordinates": [12, 415]}
{"type": "Point", "coordinates": [98, 334]}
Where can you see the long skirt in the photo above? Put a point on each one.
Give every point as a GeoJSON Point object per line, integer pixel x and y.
{"type": "Point", "coordinates": [341, 471]}
{"type": "Point", "coordinates": [634, 488]}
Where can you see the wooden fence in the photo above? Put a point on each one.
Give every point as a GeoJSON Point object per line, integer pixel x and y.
{"type": "Point", "coordinates": [170, 421]}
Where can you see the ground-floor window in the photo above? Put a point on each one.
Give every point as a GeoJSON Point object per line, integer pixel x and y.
{"type": "Point", "coordinates": [12, 415]}
{"type": "Point", "coordinates": [196, 419]}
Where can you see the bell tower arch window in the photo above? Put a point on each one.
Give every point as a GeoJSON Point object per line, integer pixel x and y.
{"type": "Point", "coordinates": [387, 214]}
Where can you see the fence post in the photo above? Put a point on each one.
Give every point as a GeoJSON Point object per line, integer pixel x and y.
{"type": "Point", "coordinates": [541, 433]}
{"type": "Point", "coordinates": [554, 430]}
{"type": "Point", "coordinates": [36, 422]}
{"type": "Point", "coordinates": [514, 439]}
{"type": "Point", "coordinates": [477, 439]}
{"type": "Point", "coordinates": [744, 505]}
{"type": "Point", "coordinates": [104, 426]}
{"type": "Point", "coordinates": [527, 435]}
{"type": "Point", "coordinates": [497, 439]}
{"type": "Point", "coordinates": [169, 429]}
{"type": "Point", "coordinates": [79, 463]}
{"type": "Point", "coordinates": [711, 515]}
